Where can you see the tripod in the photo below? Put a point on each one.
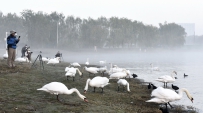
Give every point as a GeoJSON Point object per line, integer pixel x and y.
{"type": "Point", "coordinates": [61, 56]}
{"type": "Point", "coordinates": [40, 59]}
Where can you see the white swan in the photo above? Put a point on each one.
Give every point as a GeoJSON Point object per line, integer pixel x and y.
{"type": "Point", "coordinates": [87, 63]}
{"type": "Point", "coordinates": [71, 72]}
{"type": "Point", "coordinates": [45, 59]}
{"type": "Point", "coordinates": [118, 75]}
{"type": "Point", "coordinates": [165, 96]}
{"type": "Point", "coordinates": [102, 70]}
{"type": "Point", "coordinates": [24, 59]}
{"type": "Point", "coordinates": [114, 69]}
{"type": "Point", "coordinates": [75, 64]}
{"type": "Point", "coordinates": [5, 56]}
{"type": "Point", "coordinates": [123, 82]}
{"type": "Point", "coordinates": [167, 79]}
{"type": "Point", "coordinates": [91, 70]}
{"type": "Point", "coordinates": [99, 82]}
{"type": "Point", "coordinates": [154, 68]}
{"type": "Point", "coordinates": [57, 88]}
{"type": "Point", "coordinates": [54, 60]}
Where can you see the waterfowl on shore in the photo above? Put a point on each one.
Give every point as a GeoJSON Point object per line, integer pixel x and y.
{"type": "Point", "coordinates": [123, 82]}
{"type": "Point", "coordinates": [75, 64]}
{"type": "Point", "coordinates": [96, 82]}
{"type": "Point", "coordinates": [175, 87]}
{"type": "Point", "coordinates": [119, 75]}
{"type": "Point", "coordinates": [167, 79]}
{"type": "Point", "coordinates": [87, 62]}
{"type": "Point", "coordinates": [164, 96]}
{"type": "Point", "coordinates": [57, 88]}
{"type": "Point", "coordinates": [71, 73]}
{"type": "Point", "coordinates": [91, 70]}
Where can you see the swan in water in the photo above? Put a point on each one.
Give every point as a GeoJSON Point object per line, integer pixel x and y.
{"type": "Point", "coordinates": [154, 68]}
{"type": "Point", "coordinates": [71, 73]}
{"type": "Point", "coordinates": [57, 88]}
{"type": "Point", "coordinates": [123, 82]}
{"type": "Point", "coordinates": [102, 62]}
{"type": "Point", "coordinates": [167, 79]}
{"type": "Point", "coordinates": [161, 95]}
{"type": "Point", "coordinates": [87, 63]}
{"type": "Point", "coordinates": [98, 81]}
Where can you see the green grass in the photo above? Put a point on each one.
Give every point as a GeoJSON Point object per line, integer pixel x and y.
{"type": "Point", "coordinates": [18, 93]}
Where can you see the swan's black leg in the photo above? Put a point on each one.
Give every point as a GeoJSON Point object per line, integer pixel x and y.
{"type": "Point", "coordinates": [67, 77]}
{"type": "Point", "coordinates": [166, 106]}
{"type": "Point", "coordinates": [94, 89]}
{"type": "Point", "coordinates": [170, 105]}
{"type": "Point", "coordinates": [102, 90]}
{"type": "Point", "coordinates": [123, 88]}
{"type": "Point", "coordinates": [166, 84]}
{"type": "Point", "coordinates": [73, 78]}
{"type": "Point", "coordinates": [118, 88]}
{"type": "Point", "coordinates": [57, 96]}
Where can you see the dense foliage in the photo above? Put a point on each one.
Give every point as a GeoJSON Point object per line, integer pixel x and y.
{"type": "Point", "coordinates": [40, 30]}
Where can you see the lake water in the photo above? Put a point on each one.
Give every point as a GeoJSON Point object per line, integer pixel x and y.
{"type": "Point", "coordinates": [189, 62]}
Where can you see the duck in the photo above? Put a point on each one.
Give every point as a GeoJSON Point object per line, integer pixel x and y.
{"type": "Point", "coordinates": [175, 87]}
{"type": "Point", "coordinates": [58, 88]}
{"type": "Point", "coordinates": [134, 75]}
{"type": "Point", "coordinates": [164, 96]}
{"type": "Point", "coordinates": [153, 86]}
{"type": "Point", "coordinates": [167, 79]}
{"type": "Point", "coordinates": [185, 75]}
{"type": "Point", "coordinates": [123, 82]}
{"type": "Point", "coordinates": [54, 61]}
{"type": "Point", "coordinates": [71, 73]}
{"type": "Point", "coordinates": [96, 82]}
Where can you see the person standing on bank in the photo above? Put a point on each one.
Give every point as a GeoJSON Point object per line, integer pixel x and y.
{"type": "Point", "coordinates": [11, 46]}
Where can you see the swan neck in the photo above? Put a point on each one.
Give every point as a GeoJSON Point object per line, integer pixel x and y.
{"type": "Point", "coordinates": [79, 71]}
{"type": "Point", "coordinates": [128, 87]}
{"type": "Point", "coordinates": [187, 92]}
{"type": "Point", "coordinates": [75, 90]}
{"type": "Point", "coordinates": [86, 86]}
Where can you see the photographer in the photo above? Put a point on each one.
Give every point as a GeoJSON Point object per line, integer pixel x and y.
{"type": "Point", "coordinates": [12, 41]}
{"type": "Point", "coordinates": [58, 54]}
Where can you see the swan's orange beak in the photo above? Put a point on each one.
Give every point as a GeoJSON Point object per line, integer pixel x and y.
{"type": "Point", "coordinates": [85, 100]}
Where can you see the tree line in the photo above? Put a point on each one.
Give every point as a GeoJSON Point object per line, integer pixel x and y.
{"type": "Point", "coordinates": [39, 29]}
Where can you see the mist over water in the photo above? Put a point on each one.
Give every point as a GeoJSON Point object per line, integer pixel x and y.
{"type": "Point", "coordinates": [181, 61]}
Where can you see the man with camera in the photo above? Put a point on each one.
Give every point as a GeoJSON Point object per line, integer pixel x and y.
{"type": "Point", "coordinates": [11, 46]}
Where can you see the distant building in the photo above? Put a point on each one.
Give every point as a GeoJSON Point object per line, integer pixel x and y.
{"type": "Point", "coordinates": [189, 28]}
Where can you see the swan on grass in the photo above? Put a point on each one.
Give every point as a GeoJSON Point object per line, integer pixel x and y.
{"type": "Point", "coordinates": [75, 64]}
{"type": "Point", "coordinates": [5, 56]}
{"type": "Point", "coordinates": [123, 82]}
{"type": "Point", "coordinates": [71, 73]}
{"type": "Point", "coordinates": [119, 75]}
{"type": "Point", "coordinates": [91, 70]}
{"type": "Point", "coordinates": [167, 79]}
{"type": "Point", "coordinates": [57, 88]}
{"type": "Point", "coordinates": [24, 59]}
{"type": "Point", "coordinates": [164, 96]}
{"type": "Point", "coordinates": [154, 68]}
{"type": "Point", "coordinates": [54, 61]}
{"type": "Point", "coordinates": [96, 82]}
{"type": "Point", "coordinates": [45, 59]}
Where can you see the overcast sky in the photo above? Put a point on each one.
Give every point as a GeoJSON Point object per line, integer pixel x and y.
{"type": "Point", "coordinates": [147, 11]}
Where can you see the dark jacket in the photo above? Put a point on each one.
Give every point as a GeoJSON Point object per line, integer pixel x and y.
{"type": "Point", "coordinates": [12, 41]}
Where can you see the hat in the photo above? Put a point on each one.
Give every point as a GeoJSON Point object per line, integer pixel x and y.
{"type": "Point", "coordinates": [11, 32]}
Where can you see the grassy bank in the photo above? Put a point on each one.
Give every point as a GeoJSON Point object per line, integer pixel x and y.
{"type": "Point", "coordinates": [18, 93]}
